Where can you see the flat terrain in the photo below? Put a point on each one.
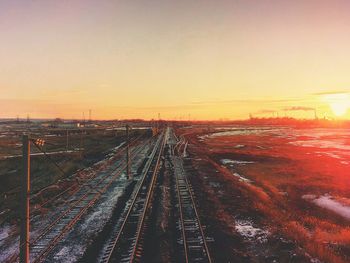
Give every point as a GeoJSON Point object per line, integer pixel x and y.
{"type": "Point", "coordinates": [71, 149]}
{"type": "Point", "coordinates": [199, 193]}
{"type": "Point", "coordinates": [272, 193]}
{"type": "Point", "coordinates": [75, 155]}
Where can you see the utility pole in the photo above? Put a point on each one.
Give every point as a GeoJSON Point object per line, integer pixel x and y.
{"type": "Point", "coordinates": [24, 238]}
{"type": "Point", "coordinates": [81, 143]}
{"type": "Point", "coordinates": [28, 122]}
{"type": "Point", "coordinates": [128, 172]}
{"type": "Point", "coordinates": [67, 141]}
{"type": "Point", "coordinates": [158, 123]}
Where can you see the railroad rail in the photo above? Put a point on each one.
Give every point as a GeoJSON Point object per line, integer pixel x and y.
{"type": "Point", "coordinates": [126, 241]}
{"type": "Point", "coordinates": [193, 237]}
{"type": "Point", "coordinates": [82, 201]}
{"type": "Point", "coordinates": [78, 204]}
{"type": "Point", "coordinates": [72, 190]}
{"type": "Point", "coordinates": [180, 146]}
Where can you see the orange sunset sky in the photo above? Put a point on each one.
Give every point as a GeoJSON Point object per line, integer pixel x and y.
{"type": "Point", "coordinates": [203, 58]}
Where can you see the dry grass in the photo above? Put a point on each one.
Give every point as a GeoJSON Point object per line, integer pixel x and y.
{"type": "Point", "coordinates": [282, 173]}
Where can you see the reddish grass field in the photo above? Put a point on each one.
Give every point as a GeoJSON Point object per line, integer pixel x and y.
{"type": "Point", "coordinates": [292, 185]}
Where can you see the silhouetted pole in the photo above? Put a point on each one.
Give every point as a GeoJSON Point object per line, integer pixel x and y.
{"type": "Point", "coordinates": [67, 141]}
{"type": "Point", "coordinates": [24, 238]}
{"type": "Point", "coordinates": [81, 143]}
{"type": "Point", "coordinates": [128, 173]}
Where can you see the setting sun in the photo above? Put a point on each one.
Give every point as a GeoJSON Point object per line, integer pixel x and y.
{"type": "Point", "coordinates": [156, 131]}
{"type": "Point", "coordinates": [339, 108]}
{"type": "Point", "coordinates": [339, 103]}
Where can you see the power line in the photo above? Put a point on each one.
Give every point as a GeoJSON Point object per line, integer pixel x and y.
{"type": "Point", "coordinates": [38, 143]}
{"type": "Point", "coordinates": [49, 158]}
{"type": "Point", "coordinates": [59, 194]}
{"type": "Point", "coordinates": [46, 154]}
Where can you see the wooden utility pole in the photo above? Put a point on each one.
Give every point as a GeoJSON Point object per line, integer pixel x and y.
{"type": "Point", "coordinates": [128, 170]}
{"type": "Point", "coordinates": [81, 143]}
{"type": "Point", "coordinates": [67, 141]}
{"type": "Point", "coordinates": [25, 190]}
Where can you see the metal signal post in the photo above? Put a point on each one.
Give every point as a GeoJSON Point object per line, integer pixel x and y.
{"type": "Point", "coordinates": [25, 184]}
{"type": "Point", "coordinates": [128, 169]}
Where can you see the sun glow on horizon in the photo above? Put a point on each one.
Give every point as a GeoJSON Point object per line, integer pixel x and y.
{"type": "Point", "coordinates": [207, 59]}
{"type": "Point", "coordinates": [338, 102]}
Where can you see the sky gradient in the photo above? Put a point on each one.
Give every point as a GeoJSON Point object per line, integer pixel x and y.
{"type": "Point", "coordinates": [206, 59]}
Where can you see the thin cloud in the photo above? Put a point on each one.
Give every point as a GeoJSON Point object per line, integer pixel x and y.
{"type": "Point", "coordinates": [261, 100]}
{"type": "Point", "coordinates": [330, 93]}
{"type": "Point", "coordinates": [265, 111]}
{"type": "Point", "coordinates": [158, 108]}
{"type": "Point", "coordinates": [299, 108]}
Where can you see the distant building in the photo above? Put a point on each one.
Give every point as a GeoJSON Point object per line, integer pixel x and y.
{"type": "Point", "coordinates": [62, 125]}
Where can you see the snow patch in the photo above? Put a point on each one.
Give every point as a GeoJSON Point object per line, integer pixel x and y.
{"type": "Point", "coordinates": [322, 143]}
{"type": "Point", "coordinates": [231, 133]}
{"type": "Point", "coordinates": [242, 178]}
{"type": "Point", "coordinates": [117, 147]}
{"type": "Point", "coordinates": [69, 253]}
{"type": "Point", "coordinates": [309, 197]}
{"type": "Point", "coordinates": [8, 246]}
{"type": "Point", "coordinates": [246, 229]}
{"type": "Point", "coordinates": [4, 232]}
{"type": "Point", "coordinates": [228, 161]}
{"type": "Point", "coordinates": [329, 203]}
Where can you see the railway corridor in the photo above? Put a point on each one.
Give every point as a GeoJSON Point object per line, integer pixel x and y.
{"type": "Point", "coordinates": [130, 232]}
{"type": "Point", "coordinates": [125, 244]}
{"type": "Point", "coordinates": [193, 239]}
{"type": "Point", "coordinates": [81, 204]}
{"type": "Point", "coordinates": [54, 230]}
{"type": "Point", "coordinates": [136, 227]}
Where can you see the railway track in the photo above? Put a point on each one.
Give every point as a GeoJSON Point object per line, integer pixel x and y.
{"type": "Point", "coordinates": [92, 172]}
{"type": "Point", "coordinates": [180, 146]}
{"type": "Point", "coordinates": [126, 241]}
{"type": "Point", "coordinates": [77, 206]}
{"type": "Point", "coordinates": [195, 248]}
